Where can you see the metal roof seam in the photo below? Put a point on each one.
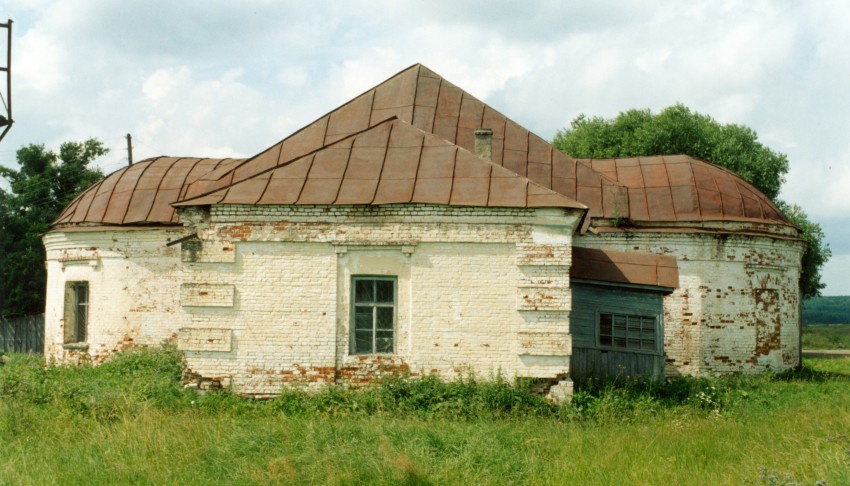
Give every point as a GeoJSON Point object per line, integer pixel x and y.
{"type": "Point", "coordinates": [383, 162]}
{"type": "Point", "coordinates": [158, 188]}
{"type": "Point", "coordinates": [306, 176]}
{"type": "Point", "coordinates": [418, 168]}
{"type": "Point", "coordinates": [347, 165]}
{"type": "Point", "coordinates": [454, 172]}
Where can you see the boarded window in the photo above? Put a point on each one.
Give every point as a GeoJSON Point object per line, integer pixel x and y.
{"type": "Point", "coordinates": [373, 314]}
{"type": "Point", "coordinates": [76, 311]}
{"type": "Point", "coordinates": [624, 331]}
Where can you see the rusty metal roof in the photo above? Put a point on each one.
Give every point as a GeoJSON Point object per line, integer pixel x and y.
{"type": "Point", "coordinates": [139, 194]}
{"type": "Point", "coordinates": [621, 267]}
{"type": "Point", "coordinates": [391, 162]}
{"type": "Point", "coordinates": [649, 189]}
{"type": "Point", "coordinates": [682, 188]}
{"type": "Point", "coordinates": [425, 100]}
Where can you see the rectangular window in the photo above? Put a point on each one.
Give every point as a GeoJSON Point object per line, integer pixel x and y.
{"type": "Point", "coordinates": [373, 314]}
{"type": "Point", "coordinates": [76, 311]}
{"type": "Point", "coordinates": [624, 331]}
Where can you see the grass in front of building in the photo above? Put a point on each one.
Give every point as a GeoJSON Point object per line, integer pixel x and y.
{"type": "Point", "coordinates": [130, 421]}
{"type": "Point", "coordinates": [826, 336]}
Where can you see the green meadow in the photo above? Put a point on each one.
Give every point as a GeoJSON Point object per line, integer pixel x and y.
{"type": "Point", "coordinates": [130, 421]}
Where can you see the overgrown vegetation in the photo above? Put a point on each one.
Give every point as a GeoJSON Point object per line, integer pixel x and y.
{"type": "Point", "coordinates": [826, 336]}
{"type": "Point", "coordinates": [827, 310]}
{"type": "Point", "coordinates": [131, 421]}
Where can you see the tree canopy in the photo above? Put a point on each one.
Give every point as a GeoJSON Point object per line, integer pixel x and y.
{"type": "Point", "coordinates": [43, 185]}
{"type": "Point", "coordinates": [678, 130]}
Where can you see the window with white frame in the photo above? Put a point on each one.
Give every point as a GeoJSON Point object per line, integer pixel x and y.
{"type": "Point", "coordinates": [373, 314]}
{"type": "Point", "coordinates": [628, 332]}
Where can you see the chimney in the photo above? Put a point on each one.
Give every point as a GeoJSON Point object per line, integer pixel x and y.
{"type": "Point", "coordinates": [484, 143]}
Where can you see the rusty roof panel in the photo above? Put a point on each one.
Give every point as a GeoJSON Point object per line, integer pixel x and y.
{"type": "Point", "coordinates": [402, 163]}
{"type": "Point", "coordinates": [680, 174]}
{"type": "Point", "coordinates": [250, 192]}
{"type": "Point", "coordinates": [283, 190]}
{"type": "Point", "coordinates": [318, 191]}
{"type": "Point", "coordinates": [733, 206]}
{"type": "Point", "coordinates": [654, 175]}
{"type": "Point", "coordinates": [394, 191]}
{"type": "Point", "coordinates": [514, 161]}
{"type": "Point", "coordinates": [470, 191]}
{"type": "Point", "coordinates": [540, 173]}
{"type": "Point", "coordinates": [630, 176]}
{"type": "Point", "coordinates": [97, 207]}
{"type": "Point", "coordinates": [710, 204]}
{"type": "Point", "coordinates": [303, 141]}
{"type": "Point", "coordinates": [685, 203]}
{"type": "Point", "coordinates": [350, 118]}
{"type": "Point", "coordinates": [437, 162]}
{"type": "Point", "coordinates": [638, 209]}
{"type": "Point", "coordinates": [660, 203]}
{"type": "Point", "coordinates": [566, 187]}
{"type": "Point", "coordinates": [508, 191]}
{"type": "Point", "coordinates": [469, 166]}
{"type": "Point", "coordinates": [592, 198]}
{"type": "Point", "coordinates": [587, 177]}
{"type": "Point", "coordinates": [357, 191]}
{"type": "Point", "coordinates": [331, 162]}
{"type": "Point", "coordinates": [624, 267]}
{"type": "Point", "coordinates": [140, 205]}
{"type": "Point", "coordinates": [432, 190]}
{"type": "Point", "coordinates": [448, 111]}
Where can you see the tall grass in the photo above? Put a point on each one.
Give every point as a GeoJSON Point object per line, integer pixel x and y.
{"type": "Point", "coordinates": [130, 421]}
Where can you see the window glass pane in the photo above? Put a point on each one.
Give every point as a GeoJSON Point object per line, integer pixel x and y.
{"type": "Point", "coordinates": [384, 291]}
{"type": "Point", "coordinates": [364, 291]}
{"type": "Point", "coordinates": [363, 318]}
{"type": "Point", "coordinates": [384, 344]}
{"type": "Point", "coordinates": [605, 324]}
{"type": "Point", "coordinates": [385, 318]}
{"type": "Point", "coordinates": [362, 341]}
{"type": "Point", "coordinates": [620, 342]}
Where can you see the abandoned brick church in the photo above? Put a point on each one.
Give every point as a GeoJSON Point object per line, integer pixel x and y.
{"type": "Point", "coordinates": [417, 229]}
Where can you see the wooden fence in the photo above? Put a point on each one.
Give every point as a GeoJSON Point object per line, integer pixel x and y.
{"type": "Point", "coordinates": [22, 334]}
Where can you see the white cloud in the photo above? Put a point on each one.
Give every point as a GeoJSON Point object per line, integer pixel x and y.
{"type": "Point", "coordinates": [193, 78]}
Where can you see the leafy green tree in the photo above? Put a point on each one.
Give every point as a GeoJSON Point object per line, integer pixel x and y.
{"type": "Point", "coordinates": [45, 183]}
{"type": "Point", "coordinates": [678, 130]}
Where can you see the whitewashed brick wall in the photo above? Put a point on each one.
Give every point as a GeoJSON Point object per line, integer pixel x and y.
{"type": "Point", "coordinates": [134, 289]}
{"type": "Point", "coordinates": [463, 300]}
{"type": "Point", "coordinates": [737, 305]}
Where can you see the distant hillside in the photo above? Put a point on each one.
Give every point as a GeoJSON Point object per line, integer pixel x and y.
{"type": "Point", "coordinates": [827, 310]}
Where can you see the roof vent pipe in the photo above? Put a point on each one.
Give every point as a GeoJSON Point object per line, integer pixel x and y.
{"type": "Point", "coordinates": [484, 143]}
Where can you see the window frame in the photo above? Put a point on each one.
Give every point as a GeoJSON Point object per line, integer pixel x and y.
{"type": "Point", "coordinates": [374, 305]}
{"type": "Point", "coordinates": [628, 314]}
{"type": "Point", "coordinates": [77, 311]}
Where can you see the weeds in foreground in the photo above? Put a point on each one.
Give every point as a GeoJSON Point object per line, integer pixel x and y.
{"type": "Point", "coordinates": [151, 378]}
{"type": "Point", "coordinates": [131, 421]}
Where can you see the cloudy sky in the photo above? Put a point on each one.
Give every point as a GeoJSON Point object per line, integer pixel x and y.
{"type": "Point", "coordinates": [215, 78]}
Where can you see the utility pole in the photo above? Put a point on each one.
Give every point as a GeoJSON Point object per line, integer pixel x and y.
{"type": "Point", "coordinates": [6, 119]}
{"type": "Point", "coordinates": [129, 149]}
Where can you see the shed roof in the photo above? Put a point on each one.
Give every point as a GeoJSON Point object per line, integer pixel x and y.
{"type": "Point", "coordinates": [391, 162]}
{"type": "Point", "coordinates": [628, 268]}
